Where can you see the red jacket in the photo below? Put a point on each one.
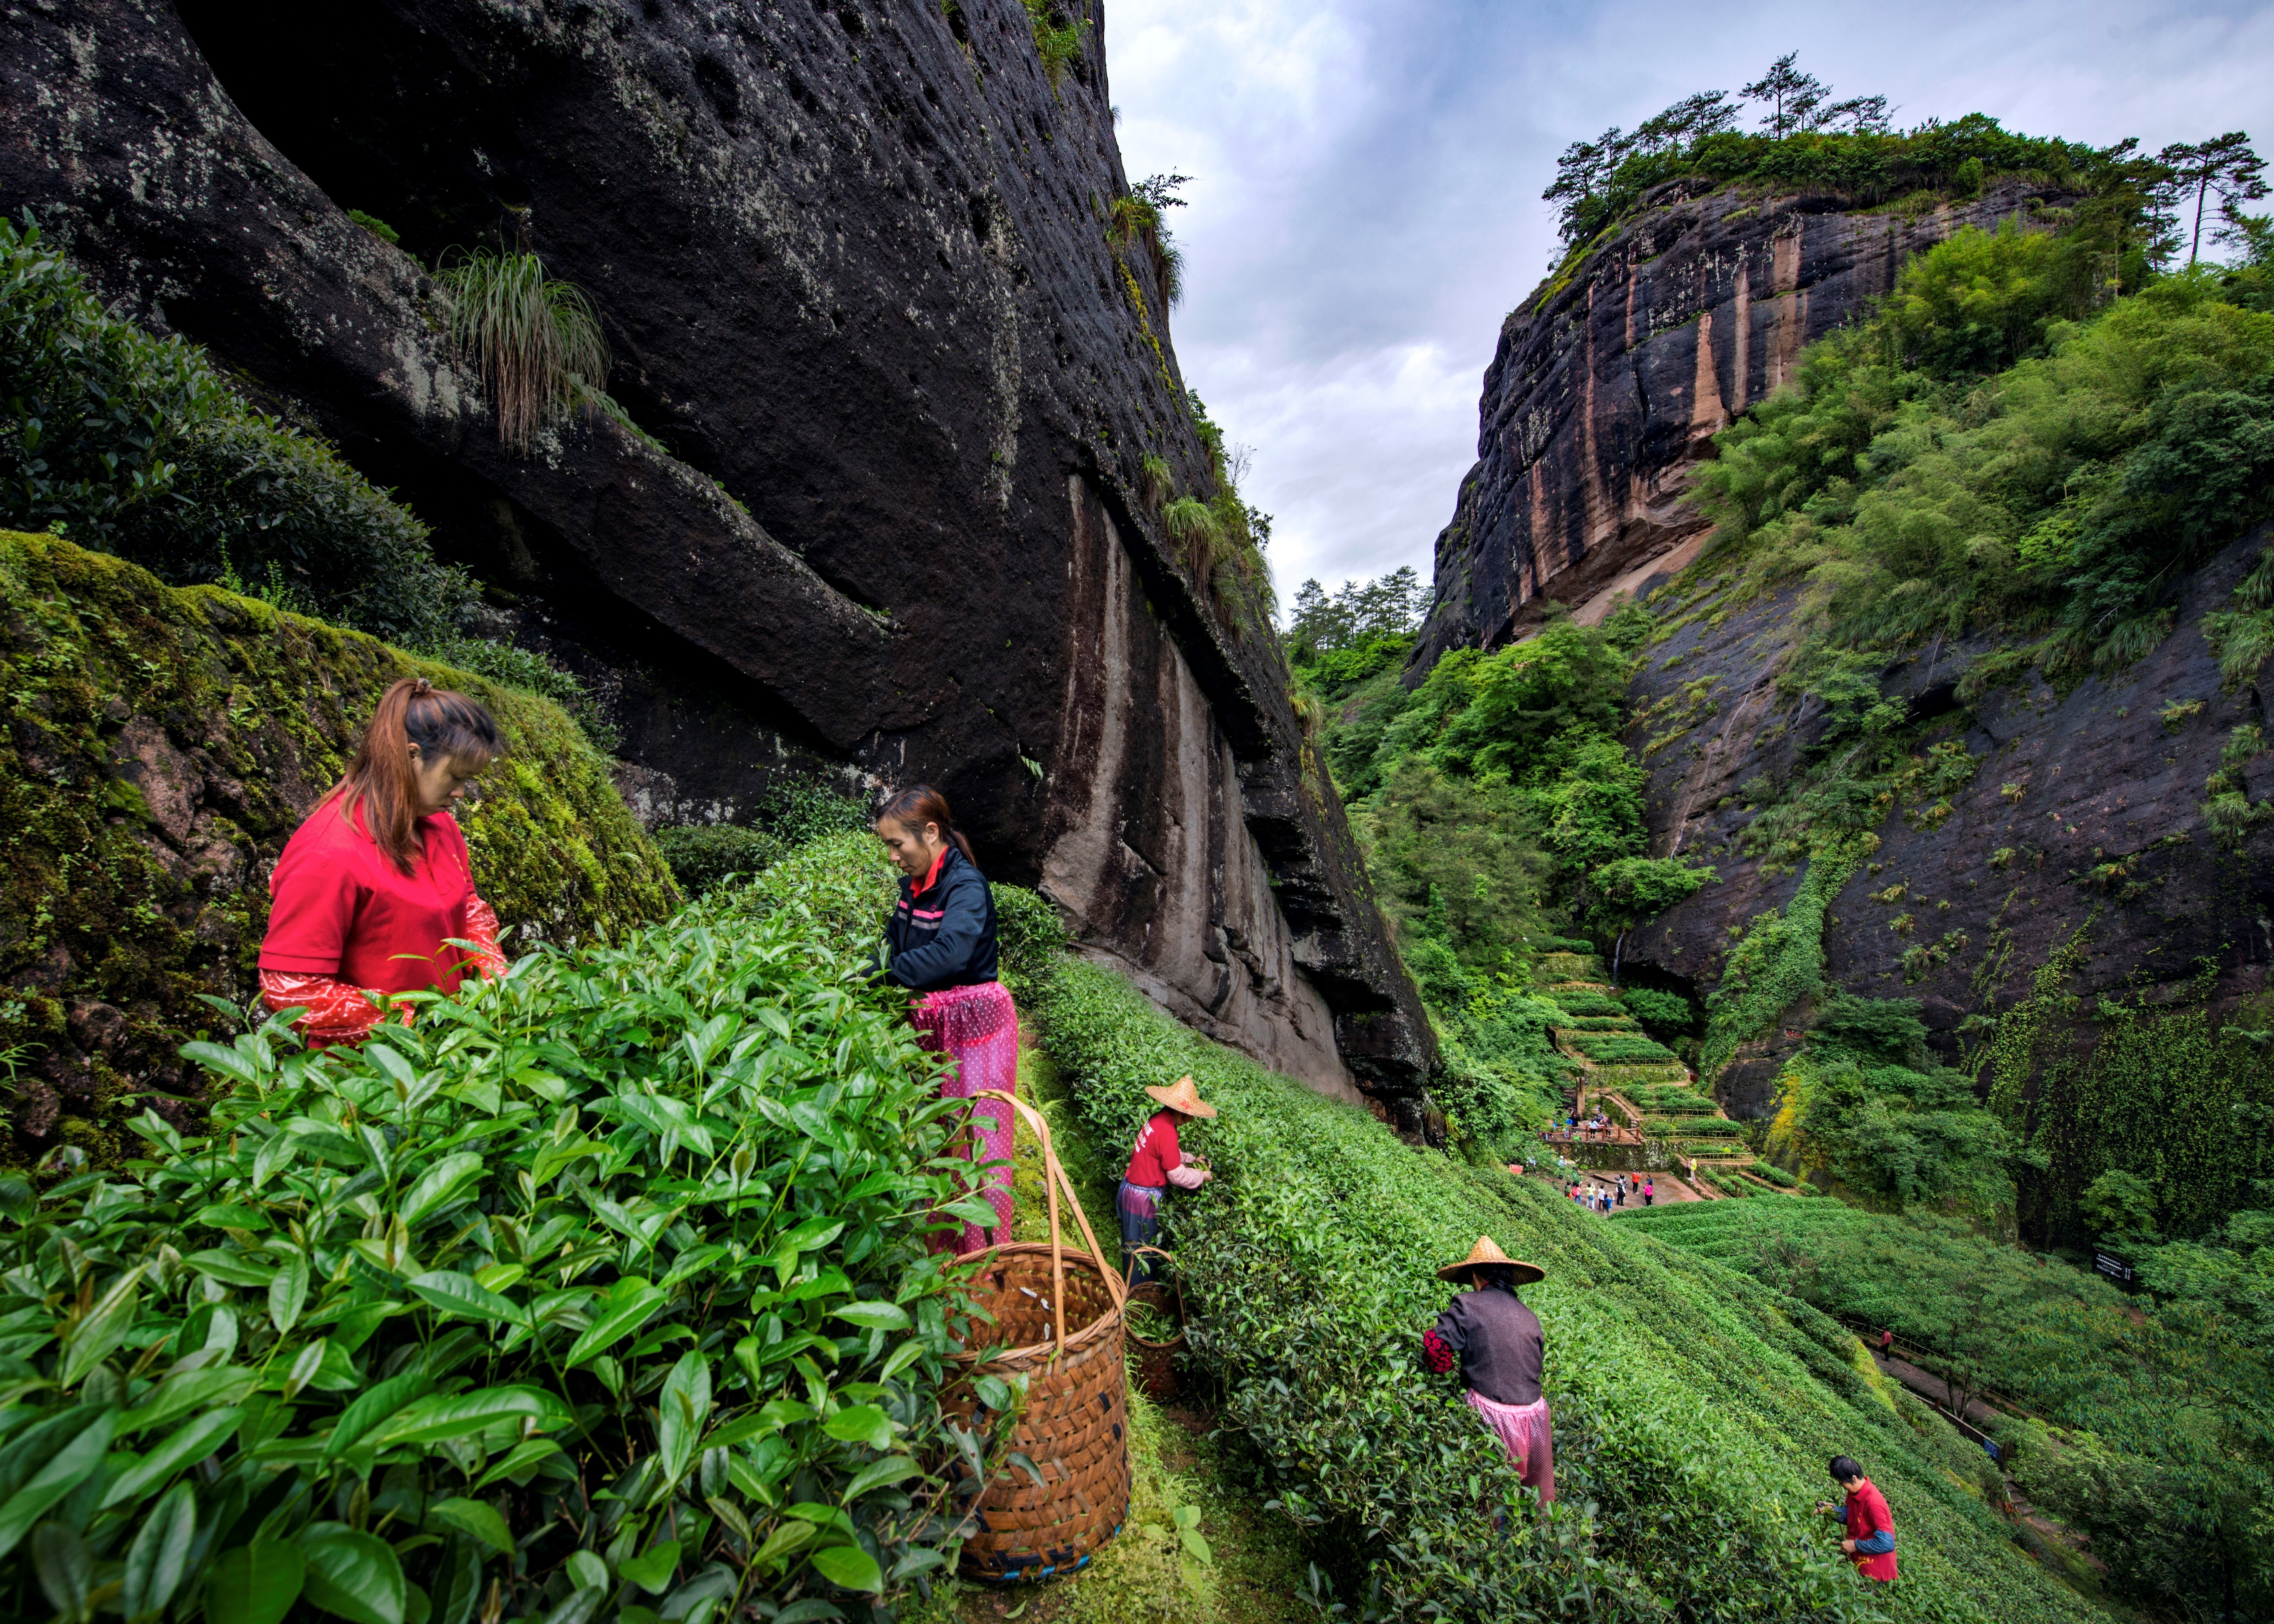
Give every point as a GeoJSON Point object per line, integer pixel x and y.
{"type": "Point", "coordinates": [1867, 1514]}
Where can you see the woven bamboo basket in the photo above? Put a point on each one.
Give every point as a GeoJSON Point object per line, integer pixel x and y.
{"type": "Point", "coordinates": [1059, 1323]}
{"type": "Point", "coordinates": [1156, 1373]}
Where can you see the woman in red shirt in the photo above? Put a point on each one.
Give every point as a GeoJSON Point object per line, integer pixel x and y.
{"type": "Point", "coordinates": [376, 880]}
{"type": "Point", "coordinates": [1156, 1162]}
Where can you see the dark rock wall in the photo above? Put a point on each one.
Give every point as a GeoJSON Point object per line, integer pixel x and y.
{"type": "Point", "coordinates": [851, 263]}
{"type": "Point", "coordinates": [2084, 815]}
{"type": "Point", "coordinates": [1611, 379]}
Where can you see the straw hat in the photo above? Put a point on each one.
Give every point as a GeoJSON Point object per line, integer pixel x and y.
{"type": "Point", "coordinates": [1182, 1096]}
{"type": "Point", "coordinates": [1485, 1255]}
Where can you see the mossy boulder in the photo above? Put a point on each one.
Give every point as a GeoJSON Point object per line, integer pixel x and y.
{"type": "Point", "coordinates": [160, 745]}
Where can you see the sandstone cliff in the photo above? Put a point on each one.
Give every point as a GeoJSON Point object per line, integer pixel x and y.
{"type": "Point", "coordinates": [2082, 821]}
{"type": "Point", "coordinates": [893, 385]}
{"type": "Point", "coordinates": [1611, 379]}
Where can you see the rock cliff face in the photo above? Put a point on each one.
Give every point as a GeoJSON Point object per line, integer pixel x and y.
{"type": "Point", "coordinates": [1612, 378]}
{"type": "Point", "coordinates": [894, 386]}
{"type": "Point", "coordinates": [2084, 820]}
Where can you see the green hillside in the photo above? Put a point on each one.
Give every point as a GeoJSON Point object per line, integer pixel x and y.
{"type": "Point", "coordinates": [2144, 1422]}
{"type": "Point", "coordinates": [1695, 1407]}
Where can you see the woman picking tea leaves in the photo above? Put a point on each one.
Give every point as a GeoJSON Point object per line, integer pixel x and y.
{"type": "Point", "coordinates": [374, 886]}
{"type": "Point", "coordinates": [1156, 1161]}
{"type": "Point", "coordinates": [1496, 1344]}
{"type": "Point", "coordinates": [940, 944]}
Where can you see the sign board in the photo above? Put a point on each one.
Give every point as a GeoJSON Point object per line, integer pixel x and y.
{"type": "Point", "coordinates": [2115, 1268]}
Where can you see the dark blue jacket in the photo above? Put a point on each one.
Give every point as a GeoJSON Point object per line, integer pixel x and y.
{"type": "Point", "coordinates": [945, 935]}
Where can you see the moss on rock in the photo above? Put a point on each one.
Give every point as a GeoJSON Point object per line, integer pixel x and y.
{"type": "Point", "coordinates": [161, 744]}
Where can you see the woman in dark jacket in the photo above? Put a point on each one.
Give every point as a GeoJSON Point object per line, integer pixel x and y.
{"type": "Point", "coordinates": [1496, 1342]}
{"type": "Point", "coordinates": [940, 944]}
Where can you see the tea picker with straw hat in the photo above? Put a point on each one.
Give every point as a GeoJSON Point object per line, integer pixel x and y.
{"type": "Point", "coordinates": [1156, 1162]}
{"type": "Point", "coordinates": [1497, 1345]}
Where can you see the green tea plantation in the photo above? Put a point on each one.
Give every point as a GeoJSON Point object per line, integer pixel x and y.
{"type": "Point", "coordinates": [1695, 1407]}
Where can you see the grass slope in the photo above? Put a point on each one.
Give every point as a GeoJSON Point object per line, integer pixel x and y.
{"type": "Point", "coordinates": [1694, 1409]}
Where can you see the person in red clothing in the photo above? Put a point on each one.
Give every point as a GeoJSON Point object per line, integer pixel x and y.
{"type": "Point", "coordinates": [1871, 1542]}
{"type": "Point", "coordinates": [375, 882]}
{"type": "Point", "coordinates": [1157, 1163]}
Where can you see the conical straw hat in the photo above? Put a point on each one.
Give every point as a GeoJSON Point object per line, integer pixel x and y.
{"type": "Point", "coordinates": [1182, 1096]}
{"type": "Point", "coordinates": [1483, 1254]}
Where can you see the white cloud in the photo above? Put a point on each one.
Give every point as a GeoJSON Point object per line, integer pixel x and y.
{"type": "Point", "coordinates": [1366, 207]}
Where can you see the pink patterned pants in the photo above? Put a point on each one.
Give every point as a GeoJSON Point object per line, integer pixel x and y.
{"type": "Point", "coordinates": [1525, 1432]}
{"type": "Point", "coordinates": [977, 1027]}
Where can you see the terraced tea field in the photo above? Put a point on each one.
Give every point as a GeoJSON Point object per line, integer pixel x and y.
{"type": "Point", "coordinates": [1644, 1088]}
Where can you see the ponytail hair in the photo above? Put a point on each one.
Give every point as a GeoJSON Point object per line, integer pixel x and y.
{"type": "Point", "coordinates": [381, 786]}
{"type": "Point", "coordinates": [920, 804]}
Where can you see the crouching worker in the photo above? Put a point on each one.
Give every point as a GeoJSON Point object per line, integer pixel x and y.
{"type": "Point", "coordinates": [1157, 1161]}
{"type": "Point", "coordinates": [1871, 1542]}
{"type": "Point", "coordinates": [1497, 1345]}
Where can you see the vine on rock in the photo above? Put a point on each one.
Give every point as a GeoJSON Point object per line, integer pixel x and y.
{"type": "Point", "coordinates": [1779, 961]}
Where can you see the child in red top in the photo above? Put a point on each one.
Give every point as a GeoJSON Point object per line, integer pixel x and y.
{"type": "Point", "coordinates": [1156, 1162]}
{"type": "Point", "coordinates": [372, 885]}
{"type": "Point", "coordinates": [1871, 1542]}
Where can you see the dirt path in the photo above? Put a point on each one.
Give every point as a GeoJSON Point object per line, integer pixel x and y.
{"type": "Point", "coordinates": [1929, 1387]}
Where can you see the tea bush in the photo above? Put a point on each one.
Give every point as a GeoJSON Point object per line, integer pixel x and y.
{"type": "Point", "coordinates": [601, 1289]}
{"type": "Point", "coordinates": [142, 447]}
{"type": "Point", "coordinates": [1578, 1003]}
{"type": "Point", "coordinates": [703, 855]}
{"type": "Point", "coordinates": [1695, 1407]}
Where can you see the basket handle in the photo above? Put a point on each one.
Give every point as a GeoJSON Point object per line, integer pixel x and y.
{"type": "Point", "coordinates": [1054, 1178]}
{"type": "Point", "coordinates": [1176, 1283]}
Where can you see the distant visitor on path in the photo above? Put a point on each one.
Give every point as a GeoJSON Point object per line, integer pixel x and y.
{"type": "Point", "coordinates": [1871, 1542]}
{"type": "Point", "coordinates": [940, 944]}
{"type": "Point", "coordinates": [1497, 1343]}
{"type": "Point", "coordinates": [1649, 1191]}
{"type": "Point", "coordinates": [1157, 1160]}
{"type": "Point", "coordinates": [375, 882]}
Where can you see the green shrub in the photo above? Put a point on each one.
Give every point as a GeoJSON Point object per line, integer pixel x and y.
{"type": "Point", "coordinates": [2058, 497]}
{"type": "Point", "coordinates": [1030, 937]}
{"type": "Point", "coordinates": [800, 810]}
{"type": "Point", "coordinates": [1900, 1137]}
{"type": "Point", "coordinates": [377, 227]}
{"type": "Point", "coordinates": [140, 446]}
{"type": "Point", "coordinates": [1694, 1408]}
{"type": "Point", "coordinates": [607, 1277]}
{"type": "Point", "coordinates": [703, 855]}
{"type": "Point", "coordinates": [1697, 1127]}
{"type": "Point", "coordinates": [1572, 1002]}
{"type": "Point", "coordinates": [1618, 1048]}
{"type": "Point", "coordinates": [534, 673]}
{"type": "Point", "coordinates": [1869, 167]}
{"type": "Point", "coordinates": [1058, 36]}
{"type": "Point", "coordinates": [841, 885]}
{"type": "Point", "coordinates": [1665, 1014]}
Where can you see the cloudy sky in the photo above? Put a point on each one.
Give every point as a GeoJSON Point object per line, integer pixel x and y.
{"type": "Point", "coordinates": [1366, 202]}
